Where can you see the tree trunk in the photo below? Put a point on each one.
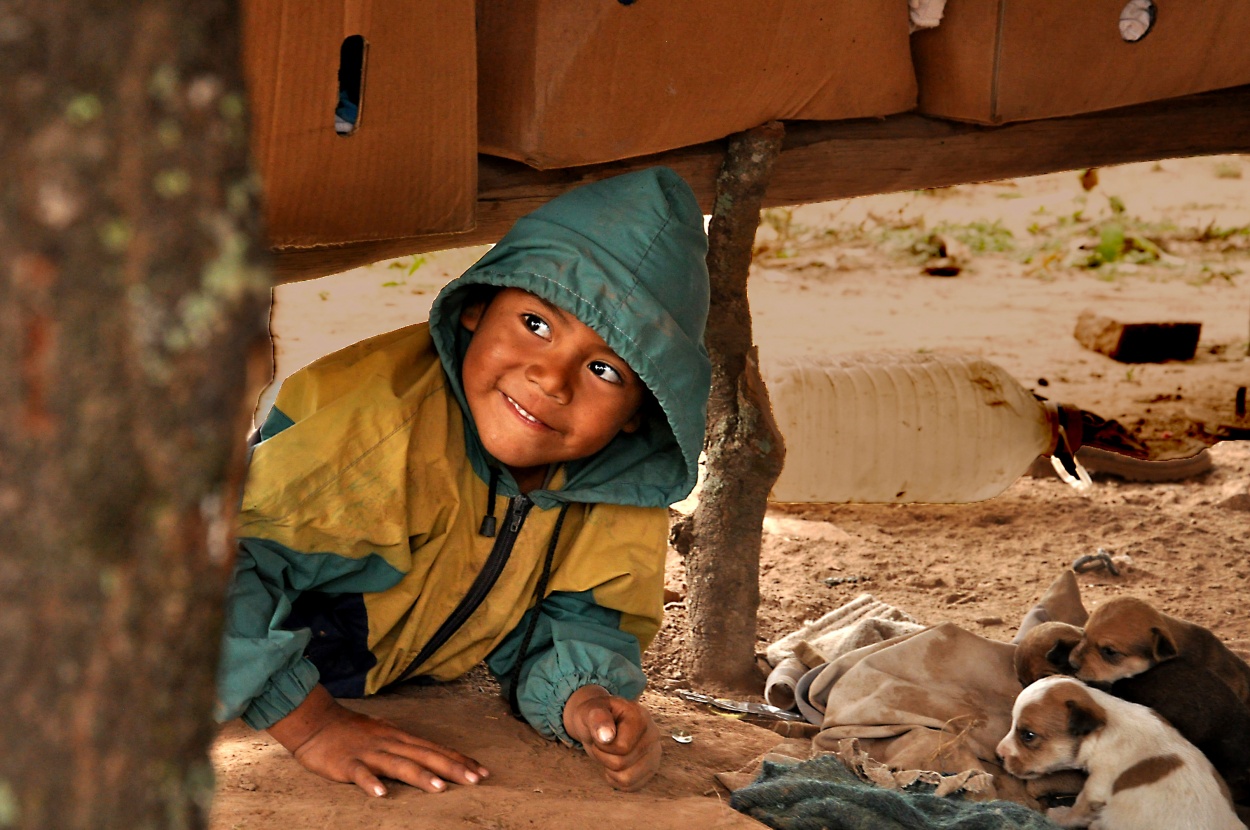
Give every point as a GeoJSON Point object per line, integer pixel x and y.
{"type": "Point", "coordinates": [132, 324]}
{"type": "Point", "coordinates": [744, 448]}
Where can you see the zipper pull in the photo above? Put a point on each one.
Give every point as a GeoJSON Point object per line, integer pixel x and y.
{"type": "Point", "coordinates": [518, 513]}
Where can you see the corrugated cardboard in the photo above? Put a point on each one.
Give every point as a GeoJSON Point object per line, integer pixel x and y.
{"type": "Point", "coordinates": [567, 83]}
{"type": "Point", "coordinates": [410, 167]}
{"type": "Point", "coordinates": [995, 61]}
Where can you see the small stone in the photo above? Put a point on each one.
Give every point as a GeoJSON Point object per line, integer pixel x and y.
{"type": "Point", "coordinates": [1146, 342]}
{"type": "Point", "coordinates": [1240, 501]}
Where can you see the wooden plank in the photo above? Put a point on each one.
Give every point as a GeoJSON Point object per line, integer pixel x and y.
{"type": "Point", "coordinates": [840, 159]}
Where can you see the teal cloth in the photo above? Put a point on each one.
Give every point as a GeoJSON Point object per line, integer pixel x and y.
{"type": "Point", "coordinates": [822, 794]}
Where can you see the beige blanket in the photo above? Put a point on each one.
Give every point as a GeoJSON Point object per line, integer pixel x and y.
{"type": "Point", "coordinates": [939, 700]}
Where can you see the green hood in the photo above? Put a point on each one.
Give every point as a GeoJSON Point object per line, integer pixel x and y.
{"type": "Point", "coordinates": [626, 256]}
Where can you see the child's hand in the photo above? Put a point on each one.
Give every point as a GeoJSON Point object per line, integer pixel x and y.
{"type": "Point", "coordinates": [346, 746]}
{"type": "Point", "coordinates": [617, 733]}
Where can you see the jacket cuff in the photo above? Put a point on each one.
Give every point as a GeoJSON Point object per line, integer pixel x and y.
{"type": "Point", "coordinates": [544, 696]}
{"type": "Point", "coordinates": [281, 695]}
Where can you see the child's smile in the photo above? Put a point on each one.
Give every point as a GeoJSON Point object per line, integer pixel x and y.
{"type": "Point", "coordinates": [525, 416]}
{"type": "Point", "coordinates": [543, 387]}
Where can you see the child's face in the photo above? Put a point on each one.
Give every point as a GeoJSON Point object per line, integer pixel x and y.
{"type": "Point", "coordinates": [543, 387]}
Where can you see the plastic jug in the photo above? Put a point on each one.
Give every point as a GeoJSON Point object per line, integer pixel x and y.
{"type": "Point", "coordinates": [891, 427]}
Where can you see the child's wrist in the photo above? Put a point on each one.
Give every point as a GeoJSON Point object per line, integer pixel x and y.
{"type": "Point", "coordinates": [305, 720]}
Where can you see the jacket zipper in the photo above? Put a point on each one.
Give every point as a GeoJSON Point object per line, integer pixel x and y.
{"type": "Point", "coordinates": [486, 578]}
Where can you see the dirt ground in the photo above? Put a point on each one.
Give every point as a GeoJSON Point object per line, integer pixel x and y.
{"type": "Point", "coordinates": [1162, 242]}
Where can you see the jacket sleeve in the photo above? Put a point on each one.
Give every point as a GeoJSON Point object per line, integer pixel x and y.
{"type": "Point", "coordinates": [263, 673]}
{"type": "Point", "coordinates": [291, 539]}
{"type": "Point", "coordinates": [576, 643]}
{"type": "Point", "coordinates": [605, 605]}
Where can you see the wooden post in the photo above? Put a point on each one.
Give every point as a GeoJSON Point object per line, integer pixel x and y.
{"type": "Point", "coordinates": [743, 446]}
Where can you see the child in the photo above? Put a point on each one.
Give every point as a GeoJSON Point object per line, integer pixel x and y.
{"type": "Point", "coordinates": [492, 485]}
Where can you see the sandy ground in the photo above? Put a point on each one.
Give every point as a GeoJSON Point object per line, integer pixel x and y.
{"type": "Point", "coordinates": [845, 276]}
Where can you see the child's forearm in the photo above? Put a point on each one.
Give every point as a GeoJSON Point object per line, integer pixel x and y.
{"type": "Point", "coordinates": [305, 720]}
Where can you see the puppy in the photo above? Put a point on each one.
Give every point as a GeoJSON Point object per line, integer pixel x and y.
{"type": "Point", "coordinates": [1189, 696]}
{"type": "Point", "coordinates": [1125, 636]}
{"type": "Point", "coordinates": [1142, 774]}
{"type": "Point", "coordinates": [1044, 650]}
{"type": "Point", "coordinates": [1204, 710]}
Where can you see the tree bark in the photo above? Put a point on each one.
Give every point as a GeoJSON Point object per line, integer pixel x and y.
{"type": "Point", "coordinates": [132, 321]}
{"type": "Point", "coordinates": [744, 448]}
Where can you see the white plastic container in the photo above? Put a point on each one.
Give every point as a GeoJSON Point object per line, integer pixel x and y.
{"type": "Point", "coordinates": [892, 427]}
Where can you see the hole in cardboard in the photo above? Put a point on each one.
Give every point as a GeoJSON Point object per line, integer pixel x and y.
{"type": "Point", "coordinates": [1137, 19]}
{"type": "Point", "coordinates": [351, 84]}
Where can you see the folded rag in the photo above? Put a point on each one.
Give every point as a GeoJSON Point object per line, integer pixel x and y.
{"type": "Point", "coordinates": [823, 793]}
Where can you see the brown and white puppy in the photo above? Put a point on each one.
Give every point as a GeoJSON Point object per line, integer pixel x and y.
{"type": "Point", "coordinates": [1142, 774]}
{"type": "Point", "coordinates": [1125, 636]}
{"type": "Point", "coordinates": [1203, 709]}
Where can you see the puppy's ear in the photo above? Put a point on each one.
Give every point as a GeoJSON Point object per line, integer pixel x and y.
{"type": "Point", "coordinates": [1163, 646]}
{"type": "Point", "coordinates": [1058, 656]}
{"type": "Point", "coordinates": [1076, 656]}
{"type": "Point", "coordinates": [1082, 719]}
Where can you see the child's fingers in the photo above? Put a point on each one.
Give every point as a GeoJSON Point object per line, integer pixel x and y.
{"type": "Point", "coordinates": [601, 721]}
{"type": "Point", "coordinates": [621, 756]}
{"type": "Point", "coordinates": [637, 739]}
{"type": "Point", "coordinates": [627, 725]}
{"type": "Point", "coordinates": [359, 750]}
{"type": "Point", "coordinates": [408, 771]}
{"type": "Point", "coordinates": [428, 766]}
{"type": "Point", "coordinates": [469, 765]}
{"type": "Point", "coordinates": [362, 777]}
{"type": "Point", "coordinates": [630, 772]}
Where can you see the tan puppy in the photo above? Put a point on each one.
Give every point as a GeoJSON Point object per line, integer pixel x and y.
{"type": "Point", "coordinates": [1142, 774]}
{"type": "Point", "coordinates": [1125, 636]}
{"type": "Point", "coordinates": [1044, 650]}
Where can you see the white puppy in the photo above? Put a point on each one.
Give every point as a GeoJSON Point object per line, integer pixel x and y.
{"type": "Point", "coordinates": [1142, 774]}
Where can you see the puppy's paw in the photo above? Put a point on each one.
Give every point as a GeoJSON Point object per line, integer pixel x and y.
{"type": "Point", "coordinates": [1068, 817]}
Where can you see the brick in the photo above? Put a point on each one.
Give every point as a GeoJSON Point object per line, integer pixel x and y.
{"type": "Point", "coordinates": [1137, 342]}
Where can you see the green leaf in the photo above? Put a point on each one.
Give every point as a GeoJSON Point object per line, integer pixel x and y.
{"type": "Point", "coordinates": [1112, 243]}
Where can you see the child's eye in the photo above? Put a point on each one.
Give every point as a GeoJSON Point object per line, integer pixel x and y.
{"type": "Point", "coordinates": [605, 371]}
{"type": "Point", "coordinates": [537, 325]}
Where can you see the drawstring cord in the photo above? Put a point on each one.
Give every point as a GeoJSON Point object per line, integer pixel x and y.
{"type": "Point", "coordinates": [488, 521]}
{"type": "Point", "coordinates": [539, 593]}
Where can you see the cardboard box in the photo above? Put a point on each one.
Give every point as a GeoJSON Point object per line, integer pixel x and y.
{"type": "Point", "coordinates": [995, 61]}
{"type": "Point", "coordinates": [410, 166]}
{"type": "Point", "coordinates": [568, 83]}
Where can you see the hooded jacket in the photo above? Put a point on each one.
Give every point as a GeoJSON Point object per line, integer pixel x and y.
{"type": "Point", "coordinates": [364, 553]}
